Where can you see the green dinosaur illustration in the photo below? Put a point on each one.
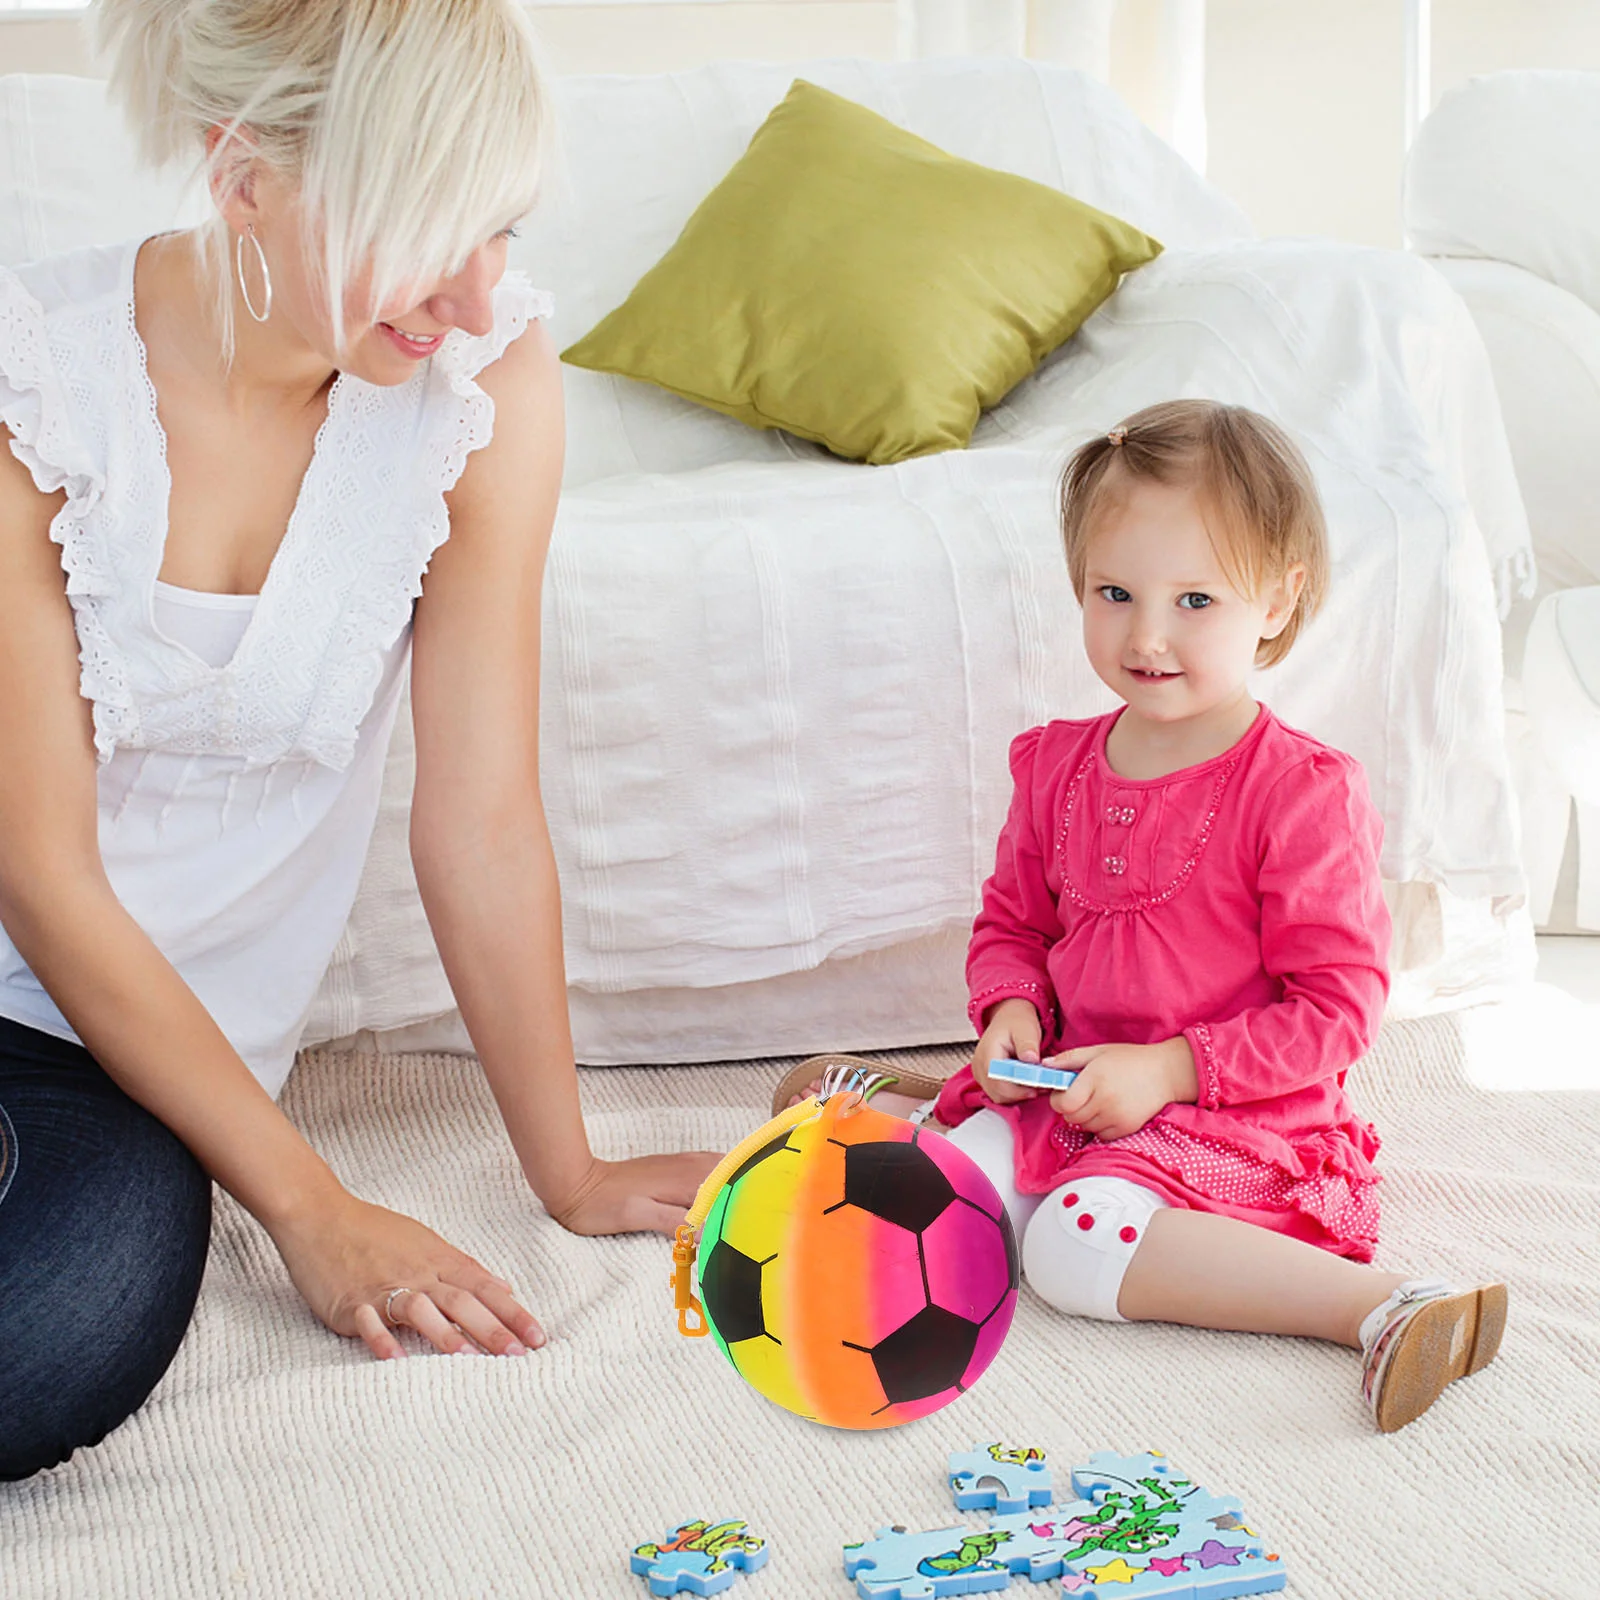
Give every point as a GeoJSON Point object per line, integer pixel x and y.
{"type": "Point", "coordinates": [973, 1552]}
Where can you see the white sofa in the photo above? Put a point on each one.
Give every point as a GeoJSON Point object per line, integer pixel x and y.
{"type": "Point", "coordinates": [779, 687]}
{"type": "Point", "coordinates": [1500, 196]}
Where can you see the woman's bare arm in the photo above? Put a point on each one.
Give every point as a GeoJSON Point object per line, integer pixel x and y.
{"type": "Point", "coordinates": [478, 833]}
{"type": "Point", "coordinates": [134, 1012]}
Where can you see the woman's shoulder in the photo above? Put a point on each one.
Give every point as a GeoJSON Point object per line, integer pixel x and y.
{"type": "Point", "coordinates": [58, 317]}
{"type": "Point", "coordinates": [464, 357]}
{"type": "Point", "coordinates": [484, 387]}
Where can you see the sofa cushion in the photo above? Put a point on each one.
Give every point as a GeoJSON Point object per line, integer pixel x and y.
{"type": "Point", "coordinates": [855, 285]}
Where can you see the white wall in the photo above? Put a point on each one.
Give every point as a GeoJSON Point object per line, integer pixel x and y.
{"type": "Point", "coordinates": [1304, 112]}
{"type": "Point", "coordinates": [659, 37]}
{"type": "Point", "coordinates": [1303, 97]}
{"type": "Point", "coordinates": [51, 45]}
{"type": "Point", "coordinates": [651, 36]}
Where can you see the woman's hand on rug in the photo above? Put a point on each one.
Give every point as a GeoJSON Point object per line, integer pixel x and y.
{"type": "Point", "coordinates": [648, 1194]}
{"type": "Point", "coordinates": [352, 1261]}
{"type": "Point", "coordinates": [1012, 1033]}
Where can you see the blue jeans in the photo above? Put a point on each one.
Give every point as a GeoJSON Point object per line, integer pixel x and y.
{"type": "Point", "coordinates": [104, 1222]}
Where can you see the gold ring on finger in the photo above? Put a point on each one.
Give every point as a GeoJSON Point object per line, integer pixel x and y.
{"type": "Point", "coordinates": [388, 1304]}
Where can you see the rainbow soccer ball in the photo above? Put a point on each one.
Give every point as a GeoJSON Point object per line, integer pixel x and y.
{"type": "Point", "coordinates": [858, 1270]}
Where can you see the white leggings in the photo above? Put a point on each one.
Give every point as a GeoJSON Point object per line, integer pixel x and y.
{"type": "Point", "coordinates": [1076, 1241]}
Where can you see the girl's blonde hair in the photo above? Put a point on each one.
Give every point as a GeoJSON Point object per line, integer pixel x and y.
{"type": "Point", "coordinates": [410, 130]}
{"type": "Point", "coordinates": [1257, 492]}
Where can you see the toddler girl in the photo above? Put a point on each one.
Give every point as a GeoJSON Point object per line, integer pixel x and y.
{"type": "Point", "coordinates": [1186, 910]}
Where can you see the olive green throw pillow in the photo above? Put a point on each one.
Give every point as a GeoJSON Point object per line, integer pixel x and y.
{"type": "Point", "coordinates": [857, 286]}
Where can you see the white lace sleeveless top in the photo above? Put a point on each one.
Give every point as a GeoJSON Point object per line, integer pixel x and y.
{"type": "Point", "coordinates": [241, 739]}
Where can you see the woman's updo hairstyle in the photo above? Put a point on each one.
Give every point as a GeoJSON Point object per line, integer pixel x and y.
{"type": "Point", "coordinates": [411, 130]}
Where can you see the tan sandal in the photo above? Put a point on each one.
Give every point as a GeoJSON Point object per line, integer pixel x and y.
{"type": "Point", "coordinates": [1422, 1338]}
{"type": "Point", "coordinates": [797, 1082]}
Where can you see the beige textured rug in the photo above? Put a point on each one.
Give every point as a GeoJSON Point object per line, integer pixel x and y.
{"type": "Point", "coordinates": [278, 1461]}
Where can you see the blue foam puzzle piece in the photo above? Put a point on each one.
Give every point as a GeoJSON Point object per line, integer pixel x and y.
{"type": "Point", "coordinates": [1038, 1542]}
{"type": "Point", "coordinates": [1031, 1074]}
{"type": "Point", "coordinates": [702, 1557]}
{"type": "Point", "coordinates": [1044, 1544]}
{"type": "Point", "coordinates": [992, 1477]}
{"type": "Point", "coordinates": [897, 1565]}
{"type": "Point", "coordinates": [1157, 1535]}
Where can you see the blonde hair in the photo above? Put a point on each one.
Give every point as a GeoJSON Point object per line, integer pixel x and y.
{"type": "Point", "coordinates": [410, 130]}
{"type": "Point", "coordinates": [1258, 494]}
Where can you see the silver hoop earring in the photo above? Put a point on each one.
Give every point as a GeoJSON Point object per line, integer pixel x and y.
{"type": "Point", "coordinates": [266, 277]}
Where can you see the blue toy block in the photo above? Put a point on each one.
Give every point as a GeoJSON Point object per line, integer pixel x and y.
{"type": "Point", "coordinates": [896, 1565]}
{"type": "Point", "coordinates": [993, 1477]}
{"type": "Point", "coordinates": [1030, 1074]}
{"type": "Point", "coordinates": [1148, 1533]}
{"type": "Point", "coordinates": [701, 1557]}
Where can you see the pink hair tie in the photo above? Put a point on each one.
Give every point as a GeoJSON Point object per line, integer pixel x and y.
{"type": "Point", "coordinates": [1117, 435]}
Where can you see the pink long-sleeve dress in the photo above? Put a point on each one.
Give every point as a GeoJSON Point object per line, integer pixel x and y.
{"type": "Point", "coordinates": [1236, 903]}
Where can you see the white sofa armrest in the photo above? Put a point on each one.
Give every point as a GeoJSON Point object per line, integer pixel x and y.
{"type": "Point", "coordinates": [1503, 169]}
{"type": "Point", "coordinates": [1544, 345]}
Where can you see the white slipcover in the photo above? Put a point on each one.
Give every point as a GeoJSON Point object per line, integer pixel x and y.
{"type": "Point", "coordinates": [779, 687]}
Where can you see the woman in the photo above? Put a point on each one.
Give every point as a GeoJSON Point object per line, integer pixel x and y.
{"type": "Point", "coordinates": [234, 453]}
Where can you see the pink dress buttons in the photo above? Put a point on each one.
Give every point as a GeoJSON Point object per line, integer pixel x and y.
{"type": "Point", "coordinates": [1121, 816]}
{"type": "Point", "coordinates": [1116, 865]}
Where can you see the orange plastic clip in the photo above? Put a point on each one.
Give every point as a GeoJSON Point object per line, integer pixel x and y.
{"type": "Point", "coordinates": [691, 1315]}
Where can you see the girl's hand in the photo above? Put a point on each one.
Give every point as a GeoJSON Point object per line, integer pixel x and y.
{"type": "Point", "coordinates": [347, 1258]}
{"type": "Point", "coordinates": [644, 1195]}
{"type": "Point", "coordinates": [1012, 1033]}
{"type": "Point", "coordinates": [1121, 1087]}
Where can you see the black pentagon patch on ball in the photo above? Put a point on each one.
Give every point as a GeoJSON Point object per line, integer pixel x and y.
{"type": "Point", "coordinates": [924, 1356]}
{"type": "Point", "coordinates": [730, 1288]}
{"type": "Point", "coordinates": [897, 1182]}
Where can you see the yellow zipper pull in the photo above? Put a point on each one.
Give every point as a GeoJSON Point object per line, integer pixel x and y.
{"type": "Point", "coordinates": [691, 1314]}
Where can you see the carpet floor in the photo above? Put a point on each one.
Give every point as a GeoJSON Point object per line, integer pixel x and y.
{"type": "Point", "coordinates": [276, 1460]}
